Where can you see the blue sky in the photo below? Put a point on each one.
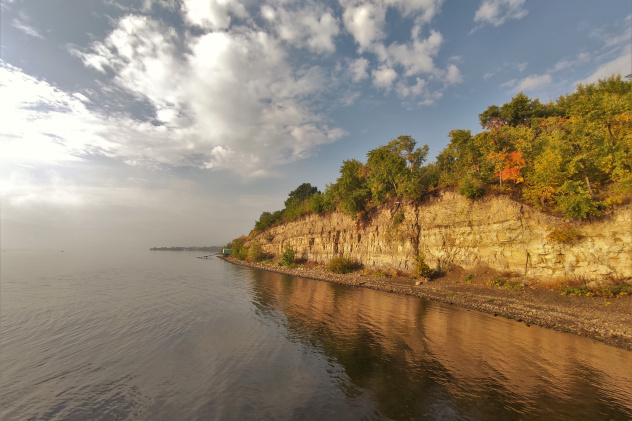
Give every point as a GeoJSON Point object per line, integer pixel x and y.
{"type": "Point", "coordinates": [177, 122]}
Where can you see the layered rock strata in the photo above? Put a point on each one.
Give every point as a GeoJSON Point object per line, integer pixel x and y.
{"type": "Point", "coordinates": [450, 229]}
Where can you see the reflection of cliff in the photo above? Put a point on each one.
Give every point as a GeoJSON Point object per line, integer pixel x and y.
{"type": "Point", "coordinates": [497, 232]}
{"type": "Point", "coordinates": [413, 354]}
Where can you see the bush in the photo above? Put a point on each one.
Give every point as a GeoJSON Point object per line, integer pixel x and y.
{"type": "Point", "coordinates": [268, 219]}
{"type": "Point", "coordinates": [472, 188]}
{"type": "Point", "coordinates": [505, 283]}
{"type": "Point", "coordinates": [287, 258]}
{"type": "Point", "coordinates": [422, 269]}
{"type": "Point", "coordinates": [318, 204]}
{"type": "Point", "coordinates": [564, 234]}
{"type": "Point", "coordinates": [398, 218]}
{"type": "Point", "coordinates": [341, 264]}
{"type": "Point", "coordinates": [256, 253]}
{"type": "Point", "coordinates": [576, 202]}
{"type": "Point", "coordinates": [238, 249]}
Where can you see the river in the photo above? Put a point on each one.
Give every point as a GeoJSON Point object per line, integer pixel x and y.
{"type": "Point", "coordinates": [163, 336]}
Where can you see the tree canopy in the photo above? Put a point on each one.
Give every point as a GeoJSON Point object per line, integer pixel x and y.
{"type": "Point", "coordinates": [572, 156]}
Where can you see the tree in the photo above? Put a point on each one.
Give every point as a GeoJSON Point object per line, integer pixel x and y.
{"type": "Point", "coordinates": [508, 166]}
{"type": "Point", "coordinates": [394, 168]}
{"type": "Point", "coordinates": [268, 219]}
{"type": "Point", "coordinates": [350, 191]}
{"type": "Point", "coordinates": [301, 193]}
{"type": "Point", "coordinates": [520, 111]}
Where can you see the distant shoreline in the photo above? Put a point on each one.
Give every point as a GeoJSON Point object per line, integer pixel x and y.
{"type": "Point", "coordinates": [604, 320]}
{"type": "Point", "coordinates": [204, 248]}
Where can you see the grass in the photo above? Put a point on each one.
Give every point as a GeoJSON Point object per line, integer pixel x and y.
{"type": "Point", "coordinates": [612, 291]}
{"type": "Point", "coordinates": [564, 234]}
{"type": "Point", "coordinates": [342, 265]}
{"type": "Point", "coordinates": [505, 283]}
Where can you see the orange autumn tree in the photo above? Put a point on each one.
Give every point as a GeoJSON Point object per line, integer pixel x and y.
{"type": "Point", "coordinates": [508, 165]}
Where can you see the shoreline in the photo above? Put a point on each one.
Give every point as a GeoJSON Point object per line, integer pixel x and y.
{"type": "Point", "coordinates": [605, 320]}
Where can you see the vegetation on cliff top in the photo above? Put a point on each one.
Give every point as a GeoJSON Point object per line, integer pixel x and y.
{"type": "Point", "coordinates": [572, 156]}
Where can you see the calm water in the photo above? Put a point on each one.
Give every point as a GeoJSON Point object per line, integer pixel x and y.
{"type": "Point", "coordinates": [166, 336]}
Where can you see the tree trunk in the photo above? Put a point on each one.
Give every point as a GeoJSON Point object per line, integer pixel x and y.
{"type": "Point", "coordinates": [590, 190]}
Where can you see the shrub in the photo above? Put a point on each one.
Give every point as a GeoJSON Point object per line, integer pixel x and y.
{"type": "Point", "coordinates": [318, 204]}
{"type": "Point", "coordinates": [472, 188]}
{"type": "Point", "coordinates": [504, 283]}
{"type": "Point", "coordinates": [398, 218]}
{"type": "Point", "coordinates": [564, 234]}
{"type": "Point", "coordinates": [422, 269]}
{"type": "Point", "coordinates": [268, 219]}
{"type": "Point", "coordinates": [256, 253]}
{"type": "Point", "coordinates": [575, 201]}
{"type": "Point", "coordinates": [341, 264]}
{"type": "Point", "coordinates": [238, 249]}
{"type": "Point", "coordinates": [287, 258]}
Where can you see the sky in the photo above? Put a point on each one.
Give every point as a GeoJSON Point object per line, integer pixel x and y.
{"type": "Point", "coordinates": [142, 123]}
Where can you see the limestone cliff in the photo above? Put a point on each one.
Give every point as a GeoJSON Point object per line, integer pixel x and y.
{"type": "Point", "coordinates": [450, 229]}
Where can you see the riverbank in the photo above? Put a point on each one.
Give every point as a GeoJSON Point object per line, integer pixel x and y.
{"type": "Point", "coordinates": [608, 320]}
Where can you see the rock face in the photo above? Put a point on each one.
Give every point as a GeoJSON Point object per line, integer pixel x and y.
{"type": "Point", "coordinates": [450, 229]}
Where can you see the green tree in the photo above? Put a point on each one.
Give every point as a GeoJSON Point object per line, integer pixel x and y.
{"type": "Point", "coordinates": [301, 193]}
{"type": "Point", "coordinates": [393, 169]}
{"type": "Point", "coordinates": [350, 192]}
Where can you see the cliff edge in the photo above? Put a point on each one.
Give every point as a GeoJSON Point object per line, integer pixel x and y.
{"type": "Point", "coordinates": [449, 229]}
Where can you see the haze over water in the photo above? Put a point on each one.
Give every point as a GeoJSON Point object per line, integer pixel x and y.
{"type": "Point", "coordinates": [163, 336]}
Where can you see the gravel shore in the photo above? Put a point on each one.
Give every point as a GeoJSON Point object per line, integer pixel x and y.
{"type": "Point", "coordinates": [608, 320]}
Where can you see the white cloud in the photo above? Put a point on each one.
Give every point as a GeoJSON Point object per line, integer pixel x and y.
{"type": "Point", "coordinates": [358, 69]}
{"type": "Point", "coordinates": [416, 57]}
{"type": "Point", "coordinates": [453, 75]}
{"type": "Point", "coordinates": [497, 12]}
{"type": "Point", "coordinates": [312, 26]}
{"type": "Point", "coordinates": [383, 77]}
{"type": "Point", "coordinates": [365, 21]}
{"type": "Point", "coordinates": [232, 101]}
{"type": "Point", "coordinates": [212, 14]}
{"type": "Point", "coordinates": [619, 66]}
{"type": "Point", "coordinates": [520, 67]}
{"type": "Point", "coordinates": [27, 29]}
{"type": "Point", "coordinates": [569, 63]}
{"type": "Point", "coordinates": [42, 123]}
{"type": "Point", "coordinates": [413, 90]}
{"type": "Point", "coordinates": [616, 42]}
{"type": "Point", "coordinates": [532, 82]}
{"type": "Point", "coordinates": [399, 64]}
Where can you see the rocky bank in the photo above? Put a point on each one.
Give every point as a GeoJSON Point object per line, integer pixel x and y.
{"type": "Point", "coordinates": [449, 229]}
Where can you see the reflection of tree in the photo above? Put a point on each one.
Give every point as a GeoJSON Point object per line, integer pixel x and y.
{"type": "Point", "coordinates": [420, 360]}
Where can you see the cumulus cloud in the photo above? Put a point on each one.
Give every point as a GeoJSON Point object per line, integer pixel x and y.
{"type": "Point", "coordinates": [497, 12]}
{"type": "Point", "coordinates": [228, 99]}
{"type": "Point", "coordinates": [212, 14]}
{"type": "Point", "coordinates": [221, 94]}
{"type": "Point", "coordinates": [409, 65]}
{"type": "Point", "coordinates": [529, 83]}
{"type": "Point", "coordinates": [453, 75]}
{"type": "Point", "coordinates": [383, 77]}
{"type": "Point", "coordinates": [311, 25]}
{"type": "Point", "coordinates": [365, 21]}
{"type": "Point", "coordinates": [358, 69]}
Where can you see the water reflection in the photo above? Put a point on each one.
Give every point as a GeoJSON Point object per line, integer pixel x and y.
{"type": "Point", "coordinates": [426, 360]}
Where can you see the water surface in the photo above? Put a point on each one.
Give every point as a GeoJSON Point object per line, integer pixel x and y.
{"type": "Point", "coordinates": [163, 335]}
